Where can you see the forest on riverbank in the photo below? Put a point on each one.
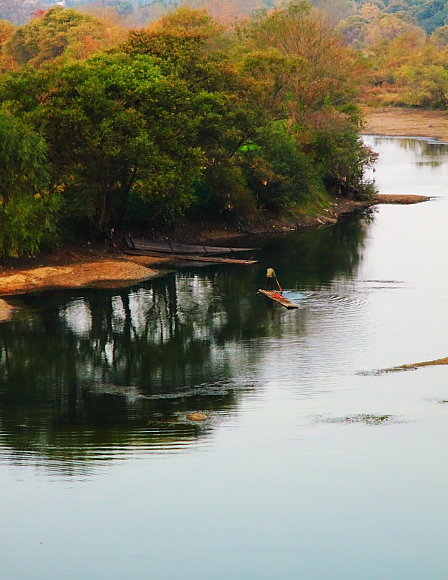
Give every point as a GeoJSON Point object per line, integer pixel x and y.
{"type": "Point", "coordinates": [186, 117]}
{"type": "Point", "coordinates": [108, 124]}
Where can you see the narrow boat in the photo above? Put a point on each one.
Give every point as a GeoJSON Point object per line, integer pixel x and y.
{"type": "Point", "coordinates": [171, 247]}
{"type": "Point", "coordinates": [192, 258]}
{"type": "Point", "coordinates": [276, 297]}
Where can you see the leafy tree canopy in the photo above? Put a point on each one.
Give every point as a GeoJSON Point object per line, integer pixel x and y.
{"type": "Point", "coordinates": [440, 36]}
{"type": "Point", "coordinates": [432, 15]}
{"type": "Point", "coordinates": [58, 32]}
{"type": "Point", "coordinates": [26, 212]}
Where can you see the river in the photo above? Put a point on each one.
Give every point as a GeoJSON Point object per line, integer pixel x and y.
{"type": "Point", "coordinates": [311, 463]}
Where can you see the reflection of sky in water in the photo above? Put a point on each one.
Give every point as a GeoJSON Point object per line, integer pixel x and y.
{"type": "Point", "coordinates": [77, 317]}
{"type": "Point", "coordinates": [280, 486]}
{"type": "Point", "coordinates": [409, 165]}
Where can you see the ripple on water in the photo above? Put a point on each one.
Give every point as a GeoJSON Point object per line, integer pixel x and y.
{"type": "Point", "coordinates": [132, 394]}
{"type": "Point", "coordinates": [383, 281]}
{"type": "Point", "coordinates": [325, 302]}
{"type": "Point", "coordinates": [383, 284]}
{"type": "Point", "coordinates": [79, 452]}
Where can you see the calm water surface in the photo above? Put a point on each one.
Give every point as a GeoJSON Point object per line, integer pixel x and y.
{"type": "Point", "coordinates": [309, 466]}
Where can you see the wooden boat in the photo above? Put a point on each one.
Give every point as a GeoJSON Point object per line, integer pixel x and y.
{"type": "Point", "coordinates": [175, 248]}
{"type": "Point", "coordinates": [276, 297]}
{"type": "Point", "coordinates": [192, 258]}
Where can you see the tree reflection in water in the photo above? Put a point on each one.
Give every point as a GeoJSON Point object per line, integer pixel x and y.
{"type": "Point", "coordinates": [88, 375]}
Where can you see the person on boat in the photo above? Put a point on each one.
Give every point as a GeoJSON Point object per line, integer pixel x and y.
{"type": "Point", "coordinates": [271, 276]}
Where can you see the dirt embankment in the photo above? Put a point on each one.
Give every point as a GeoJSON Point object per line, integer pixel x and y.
{"type": "Point", "coordinates": [104, 273]}
{"type": "Point", "coordinates": [408, 367]}
{"type": "Point", "coordinates": [80, 268]}
{"type": "Point", "coordinates": [401, 122]}
{"type": "Point", "coordinates": [90, 266]}
{"type": "Point", "coordinates": [5, 310]}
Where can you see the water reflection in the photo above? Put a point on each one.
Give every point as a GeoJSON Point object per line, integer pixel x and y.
{"type": "Point", "coordinates": [419, 152]}
{"type": "Point", "coordinates": [102, 373]}
{"type": "Point", "coordinates": [406, 165]}
{"type": "Point", "coordinates": [421, 148]}
{"type": "Point", "coordinates": [316, 259]}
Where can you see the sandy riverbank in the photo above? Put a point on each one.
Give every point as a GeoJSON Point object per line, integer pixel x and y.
{"type": "Point", "coordinates": [105, 273]}
{"type": "Point", "coordinates": [5, 310]}
{"type": "Point", "coordinates": [87, 267]}
{"type": "Point", "coordinates": [400, 122]}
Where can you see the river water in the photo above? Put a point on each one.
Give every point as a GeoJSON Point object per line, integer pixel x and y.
{"type": "Point", "coordinates": [311, 464]}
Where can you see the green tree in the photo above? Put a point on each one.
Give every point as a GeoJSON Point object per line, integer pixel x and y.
{"type": "Point", "coordinates": [280, 175]}
{"type": "Point", "coordinates": [323, 73]}
{"type": "Point", "coordinates": [228, 105]}
{"type": "Point", "coordinates": [354, 30]}
{"type": "Point", "coordinates": [320, 78]}
{"type": "Point", "coordinates": [432, 14]}
{"type": "Point", "coordinates": [116, 127]}
{"type": "Point", "coordinates": [27, 210]}
{"type": "Point", "coordinates": [440, 36]}
{"type": "Point", "coordinates": [57, 32]}
{"type": "Point", "coordinates": [6, 29]}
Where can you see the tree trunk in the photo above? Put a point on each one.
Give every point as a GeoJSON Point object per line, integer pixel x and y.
{"type": "Point", "coordinates": [105, 212]}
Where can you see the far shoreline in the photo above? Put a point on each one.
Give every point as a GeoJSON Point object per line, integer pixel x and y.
{"type": "Point", "coordinates": [403, 122]}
